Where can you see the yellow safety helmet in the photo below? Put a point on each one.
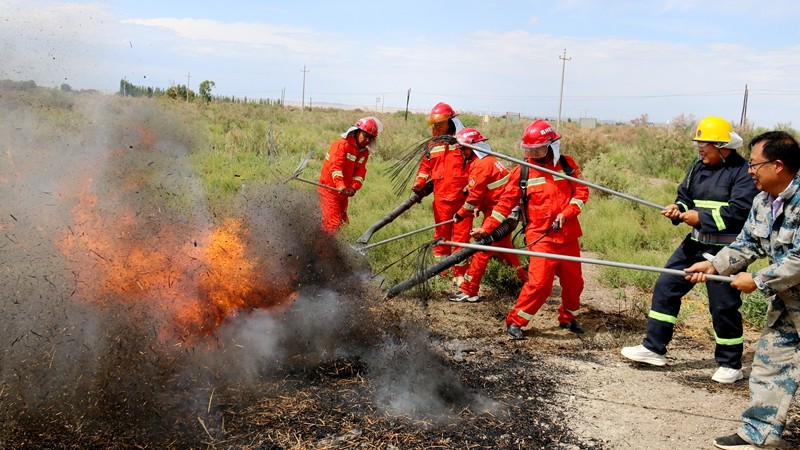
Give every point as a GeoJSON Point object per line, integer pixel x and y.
{"type": "Point", "coordinates": [713, 129]}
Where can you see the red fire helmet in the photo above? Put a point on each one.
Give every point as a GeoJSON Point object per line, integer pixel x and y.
{"type": "Point", "coordinates": [441, 112]}
{"type": "Point", "coordinates": [370, 125]}
{"type": "Point", "coordinates": [469, 136]}
{"type": "Point", "coordinates": [538, 134]}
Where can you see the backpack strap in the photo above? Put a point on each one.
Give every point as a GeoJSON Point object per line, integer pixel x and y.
{"type": "Point", "coordinates": [565, 165]}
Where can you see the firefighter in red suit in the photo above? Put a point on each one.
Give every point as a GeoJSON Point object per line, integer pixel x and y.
{"type": "Point", "coordinates": [344, 169]}
{"type": "Point", "coordinates": [487, 179]}
{"type": "Point", "coordinates": [443, 164]}
{"type": "Point", "coordinates": [552, 205]}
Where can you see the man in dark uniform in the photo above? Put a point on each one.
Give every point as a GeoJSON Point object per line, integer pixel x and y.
{"type": "Point", "coordinates": [714, 199]}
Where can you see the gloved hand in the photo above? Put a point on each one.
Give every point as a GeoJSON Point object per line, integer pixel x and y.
{"type": "Point", "coordinates": [348, 191]}
{"type": "Point", "coordinates": [418, 185]}
{"type": "Point", "coordinates": [457, 218]}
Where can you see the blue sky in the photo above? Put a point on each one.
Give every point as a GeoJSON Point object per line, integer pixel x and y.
{"type": "Point", "coordinates": [626, 58]}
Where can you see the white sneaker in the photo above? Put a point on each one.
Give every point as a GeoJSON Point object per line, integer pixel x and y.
{"type": "Point", "coordinates": [462, 298]}
{"type": "Point", "coordinates": [643, 355]}
{"type": "Point", "coordinates": [727, 375]}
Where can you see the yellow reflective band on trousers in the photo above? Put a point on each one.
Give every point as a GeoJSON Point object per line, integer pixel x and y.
{"type": "Point", "coordinates": [661, 317]}
{"type": "Point", "coordinates": [525, 315]}
{"type": "Point", "coordinates": [714, 206]}
{"type": "Point", "coordinates": [729, 341]}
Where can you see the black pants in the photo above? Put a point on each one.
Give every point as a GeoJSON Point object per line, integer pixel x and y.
{"type": "Point", "coordinates": [723, 301]}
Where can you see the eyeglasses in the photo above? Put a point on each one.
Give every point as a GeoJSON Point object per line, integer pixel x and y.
{"type": "Point", "coordinates": [701, 144]}
{"type": "Point", "coordinates": [750, 165]}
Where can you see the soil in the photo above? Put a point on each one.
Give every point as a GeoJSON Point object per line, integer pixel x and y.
{"type": "Point", "coordinates": [604, 397]}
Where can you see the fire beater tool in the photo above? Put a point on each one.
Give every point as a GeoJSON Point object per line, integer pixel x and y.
{"type": "Point", "coordinates": [505, 228]}
{"type": "Point", "coordinates": [401, 236]}
{"type": "Point", "coordinates": [415, 198]}
{"type": "Point", "coordinates": [296, 174]}
{"type": "Point", "coordinates": [562, 175]}
{"type": "Point", "coordinates": [479, 246]}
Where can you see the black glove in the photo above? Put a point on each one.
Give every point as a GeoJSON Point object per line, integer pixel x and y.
{"type": "Point", "coordinates": [457, 218]}
{"type": "Point", "coordinates": [556, 225]}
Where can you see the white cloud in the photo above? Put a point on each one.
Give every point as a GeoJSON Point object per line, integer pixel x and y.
{"type": "Point", "coordinates": [253, 35]}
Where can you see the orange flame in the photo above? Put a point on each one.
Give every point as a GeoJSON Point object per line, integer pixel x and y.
{"type": "Point", "coordinates": [190, 285]}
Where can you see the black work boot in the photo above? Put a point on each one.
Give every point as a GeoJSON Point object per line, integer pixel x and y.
{"type": "Point", "coordinates": [515, 331]}
{"type": "Point", "coordinates": [573, 326]}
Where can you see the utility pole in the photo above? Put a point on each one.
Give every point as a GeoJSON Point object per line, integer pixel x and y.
{"type": "Point", "coordinates": [188, 76]}
{"type": "Point", "coordinates": [303, 99]}
{"type": "Point", "coordinates": [564, 60]}
{"type": "Point", "coordinates": [408, 98]}
{"type": "Point", "coordinates": [743, 120]}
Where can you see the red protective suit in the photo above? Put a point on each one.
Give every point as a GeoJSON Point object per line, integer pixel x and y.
{"type": "Point", "coordinates": [548, 196]}
{"type": "Point", "coordinates": [487, 180]}
{"type": "Point", "coordinates": [345, 166]}
{"type": "Point", "coordinates": [444, 165]}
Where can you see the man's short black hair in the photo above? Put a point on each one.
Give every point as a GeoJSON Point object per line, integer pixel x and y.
{"type": "Point", "coordinates": [780, 145]}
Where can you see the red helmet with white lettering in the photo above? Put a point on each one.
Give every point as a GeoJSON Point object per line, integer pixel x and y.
{"type": "Point", "coordinates": [370, 125]}
{"type": "Point", "coordinates": [539, 134]}
{"type": "Point", "coordinates": [441, 112]}
{"type": "Point", "coordinates": [469, 136]}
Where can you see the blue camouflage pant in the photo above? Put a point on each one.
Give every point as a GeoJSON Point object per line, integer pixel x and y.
{"type": "Point", "coordinates": [773, 381]}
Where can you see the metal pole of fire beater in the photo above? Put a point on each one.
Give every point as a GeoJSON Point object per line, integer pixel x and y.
{"type": "Point", "coordinates": [562, 175]}
{"type": "Point", "coordinates": [490, 248]}
{"type": "Point", "coordinates": [315, 184]}
{"type": "Point", "coordinates": [386, 241]}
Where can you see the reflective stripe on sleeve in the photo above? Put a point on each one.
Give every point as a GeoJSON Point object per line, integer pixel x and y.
{"type": "Point", "coordinates": [498, 183]}
{"type": "Point", "coordinates": [498, 217]}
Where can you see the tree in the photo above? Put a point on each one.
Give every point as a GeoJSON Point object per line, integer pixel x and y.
{"type": "Point", "coordinates": [205, 90]}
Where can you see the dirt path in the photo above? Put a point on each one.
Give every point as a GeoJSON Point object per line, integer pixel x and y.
{"type": "Point", "coordinates": [622, 404]}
